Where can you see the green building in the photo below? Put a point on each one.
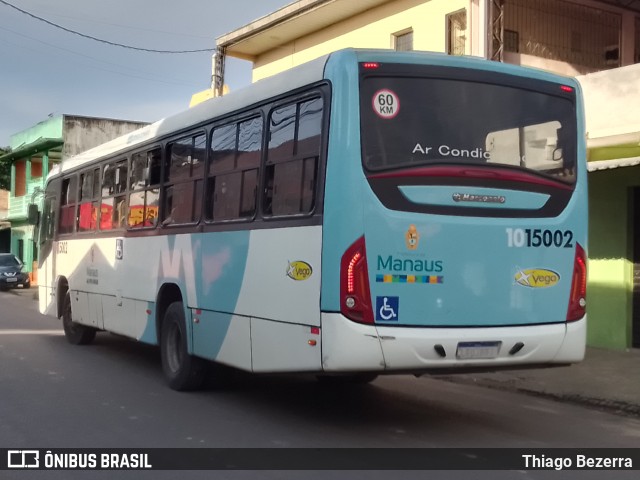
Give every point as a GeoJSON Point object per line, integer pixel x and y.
{"type": "Point", "coordinates": [33, 153]}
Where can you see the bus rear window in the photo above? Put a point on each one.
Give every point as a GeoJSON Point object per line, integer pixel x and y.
{"type": "Point", "coordinates": [410, 121]}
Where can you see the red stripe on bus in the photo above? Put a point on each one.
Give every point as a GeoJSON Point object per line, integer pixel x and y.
{"type": "Point", "coordinates": [471, 172]}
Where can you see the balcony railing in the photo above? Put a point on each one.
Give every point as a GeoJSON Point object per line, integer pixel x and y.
{"type": "Point", "coordinates": [19, 206]}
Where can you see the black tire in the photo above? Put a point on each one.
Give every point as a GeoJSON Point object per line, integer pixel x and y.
{"type": "Point", "coordinates": [75, 333]}
{"type": "Point", "coordinates": [350, 379]}
{"type": "Point", "coordinates": [181, 370]}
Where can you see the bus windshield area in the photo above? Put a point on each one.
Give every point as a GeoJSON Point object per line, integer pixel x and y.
{"type": "Point", "coordinates": [414, 121]}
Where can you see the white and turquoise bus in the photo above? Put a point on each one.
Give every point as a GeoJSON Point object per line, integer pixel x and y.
{"type": "Point", "coordinates": [369, 212]}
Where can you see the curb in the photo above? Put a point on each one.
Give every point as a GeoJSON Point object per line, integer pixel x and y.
{"type": "Point", "coordinates": [616, 407]}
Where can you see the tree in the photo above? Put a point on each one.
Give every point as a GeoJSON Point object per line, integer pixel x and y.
{"type": "Point", "coordinates": [5, 170]}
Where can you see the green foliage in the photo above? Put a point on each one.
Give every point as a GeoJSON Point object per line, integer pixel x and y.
{"type": "Point", "coordinates": [5, 170]}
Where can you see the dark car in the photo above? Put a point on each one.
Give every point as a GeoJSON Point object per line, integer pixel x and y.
{"type": "Point", "coordinates": [11, 274]}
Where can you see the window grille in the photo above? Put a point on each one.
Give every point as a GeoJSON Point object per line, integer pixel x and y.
{"type": "Point", "coordinates": [564, 31]}
{"type": "Point", "coordinates": [403, 42]}
{"type": "Point", "coordinates": [457, 33]}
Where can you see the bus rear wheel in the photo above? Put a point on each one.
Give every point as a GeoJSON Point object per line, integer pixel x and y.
{"type": "Point", "coordinates": [75, 333]}
{"type": "Point", "coordinates": [182, 370]}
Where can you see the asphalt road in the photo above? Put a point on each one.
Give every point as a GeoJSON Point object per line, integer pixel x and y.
{"type": "Point", "coordinates": [111, 394]}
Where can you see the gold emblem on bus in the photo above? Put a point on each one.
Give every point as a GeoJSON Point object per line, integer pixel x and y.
{"type": "Point", "coordinates": [412, 237]}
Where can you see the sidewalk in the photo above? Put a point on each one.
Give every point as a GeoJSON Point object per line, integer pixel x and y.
{"type": "Point", "coordinates": [606, 379]}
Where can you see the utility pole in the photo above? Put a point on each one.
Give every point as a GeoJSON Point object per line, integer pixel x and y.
{"type": "Point", "coordinates": [218, 61]}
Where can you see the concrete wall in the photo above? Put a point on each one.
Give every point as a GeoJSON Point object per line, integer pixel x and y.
{"type": "Point", "coordinates": [371, 29]}
{"type": "Point", "coordinates": [612, 101]}
{"type": "Point", "coordinates": [83, 133]}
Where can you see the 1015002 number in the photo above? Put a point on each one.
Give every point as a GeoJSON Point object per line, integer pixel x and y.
{"type": "Point", "coordinates": [527, 237]}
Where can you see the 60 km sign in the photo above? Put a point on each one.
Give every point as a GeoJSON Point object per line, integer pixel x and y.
{"type": "Point", "coordinates": [386, 103]}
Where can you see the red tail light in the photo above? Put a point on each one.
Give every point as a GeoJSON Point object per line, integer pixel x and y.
{"type": "Point", "coordinates": [355, 299]}
{"type": "Point", "coordinates": [578, 296]}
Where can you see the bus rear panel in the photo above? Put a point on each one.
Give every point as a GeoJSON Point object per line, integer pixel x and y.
{"type": "Point", "coordinates": [466, 243]}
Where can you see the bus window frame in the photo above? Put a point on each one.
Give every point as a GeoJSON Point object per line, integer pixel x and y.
{"type": "Point", "coordinates": [235, 120]}
{"type": "Point", "coordinates": [96, 197]}
{"type": "Point", "coordinates": [146, 150]}
{"type": "Point", "coordinates": [323, 92]}
{"type": "Point", "coordinates": [164, 184]}
{"type": "Point", "coordinates": [69, 177]}
{"type": "Point", "coordinates": [116, 160]}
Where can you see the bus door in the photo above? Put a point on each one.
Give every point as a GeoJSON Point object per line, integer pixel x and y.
{"type": "Point", "coordinates": [47, 255]}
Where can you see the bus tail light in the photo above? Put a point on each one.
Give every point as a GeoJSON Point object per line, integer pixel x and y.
{"type": "Point", "coordinates": [578, 296]}
{"type": "Point", "coordinates": [355, 297]}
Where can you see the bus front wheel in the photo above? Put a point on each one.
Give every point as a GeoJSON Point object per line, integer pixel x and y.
{"type": "Point", "coordinates": [182, 370]}
{"type": "Point", "coordinates": [75, 333]}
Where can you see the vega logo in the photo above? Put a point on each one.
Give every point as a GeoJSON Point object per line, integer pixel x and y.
{"type": "Point", "coordinates": [537, 278]}
{"type": "Point", "coordinates": [299, 270]}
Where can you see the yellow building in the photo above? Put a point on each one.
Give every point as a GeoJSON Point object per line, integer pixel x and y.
{"type": "Point", "coordinates": [572, 37]}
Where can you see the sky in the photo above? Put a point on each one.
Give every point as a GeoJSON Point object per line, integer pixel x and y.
{"type": "Point", "coordinates": [46, 71]}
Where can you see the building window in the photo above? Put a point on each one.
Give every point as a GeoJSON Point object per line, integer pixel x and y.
{"type": "Point", "coordinates": [456, 32]}
{"type": "Point", "coordinates": [511, 41]}
{"type": "Point", "coordinates": [403, 41]}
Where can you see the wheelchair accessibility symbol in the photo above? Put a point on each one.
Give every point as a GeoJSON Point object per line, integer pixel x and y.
{"type": "Point", "coordinates": [387, 309]}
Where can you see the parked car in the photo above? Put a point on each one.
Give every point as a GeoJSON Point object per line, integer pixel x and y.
{"type": "Point", "coordinates": [11, 274]}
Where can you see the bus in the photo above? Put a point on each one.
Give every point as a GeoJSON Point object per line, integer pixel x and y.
{"type": "Point", "coordinates": [369, 212]}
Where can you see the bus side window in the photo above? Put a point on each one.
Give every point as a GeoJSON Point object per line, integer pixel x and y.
{"type": "Point", "coordinates": [144, 191]}
{"type": "Point", "coordinates": [68, 205]}
{"type": "Point", "coordinates": [183, 180]}
{"type": "Point", "coordinates": [47, 223]}
{"type": "Point", "coordinates": [292, 162]}
{"type": "Point", "coordinates": [232, 186]}
{"type": "Point", "coordinates": [114, 187]}
{"type": "Point", "coordinates": [89, 194]}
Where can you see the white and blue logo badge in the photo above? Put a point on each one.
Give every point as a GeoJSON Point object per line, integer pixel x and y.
{"type": "Point", "coordinates": [387, 309]}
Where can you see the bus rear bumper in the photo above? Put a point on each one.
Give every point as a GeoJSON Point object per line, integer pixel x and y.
{"type": "Point", "coordinates": [349, 346]}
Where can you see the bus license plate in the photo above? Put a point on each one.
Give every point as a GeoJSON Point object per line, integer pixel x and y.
{"type": "Point", "coordinates": [475, 350]}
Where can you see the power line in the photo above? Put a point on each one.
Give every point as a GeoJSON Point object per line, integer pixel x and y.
{"type": "Point", "coordinates": [151, 76]}
{"type": "Point", "coordinates": [99, 39]}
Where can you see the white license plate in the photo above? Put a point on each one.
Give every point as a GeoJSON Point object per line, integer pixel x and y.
{"type": "Point", "coordinates": [12, 280]}
{"type": "Point", "coordinates": [476, 350]}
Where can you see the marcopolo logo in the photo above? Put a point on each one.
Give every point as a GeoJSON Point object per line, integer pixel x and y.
{"type": "Point", "coordinates": [537, 278]}
{"type": "Point", "coordinates": [299, 270]}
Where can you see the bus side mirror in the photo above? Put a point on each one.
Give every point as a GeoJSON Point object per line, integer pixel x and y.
{"type": "Point", "coordinates": [33, 215]}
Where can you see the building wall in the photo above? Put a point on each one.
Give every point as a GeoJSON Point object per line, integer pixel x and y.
{"type": "Point", "coordinates": [372, 29]}
{"type": "Point", "coordinates": [610, 284]}
{"type": "Point", "coordinates": [50, 128]}
{"type": "Point", "coordinates": [4, 203]}
{"type": "Point", "coordinates": [83, 133]}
